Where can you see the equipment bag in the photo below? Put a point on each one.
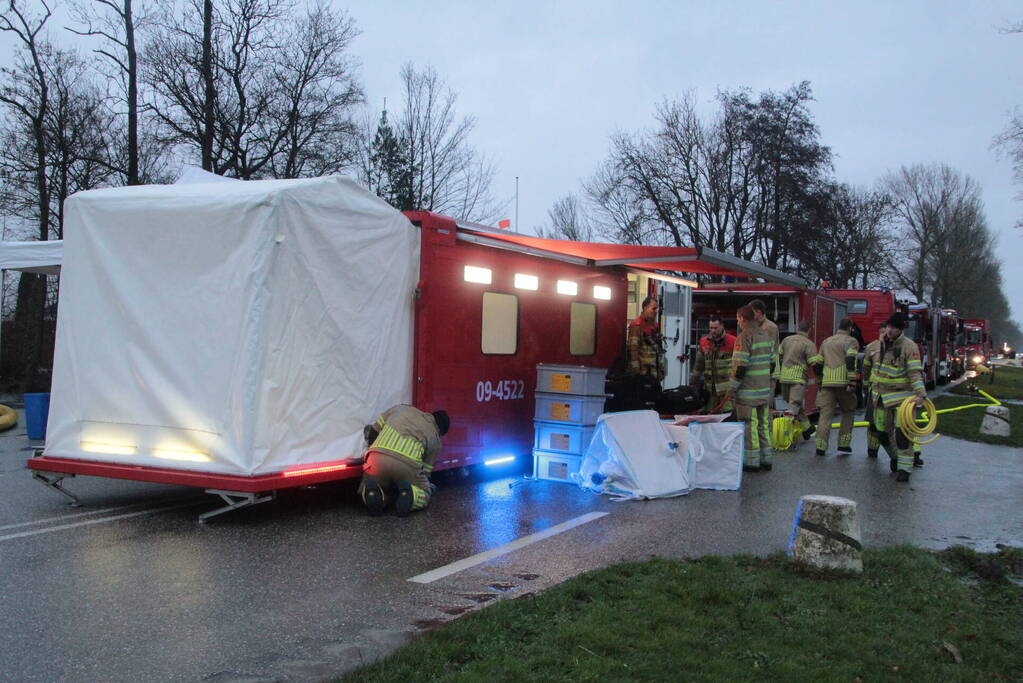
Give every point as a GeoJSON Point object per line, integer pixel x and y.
{"type": "Point", "coordinates": [632, 392]}
{"type": "Point", "coordinates": [681, 400]}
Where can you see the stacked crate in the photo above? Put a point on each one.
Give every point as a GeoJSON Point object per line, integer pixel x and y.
{"type": "Point", "coordinates": [569, 399]}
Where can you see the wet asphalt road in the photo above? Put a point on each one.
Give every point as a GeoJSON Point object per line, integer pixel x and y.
{"type": "Point", "coordinates": [130, 587]}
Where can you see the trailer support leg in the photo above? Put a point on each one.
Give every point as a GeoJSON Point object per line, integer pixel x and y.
{"type": "Point", "coordinates": [54, 483]}
{"type": "Point", "coordinates": [235, 500]}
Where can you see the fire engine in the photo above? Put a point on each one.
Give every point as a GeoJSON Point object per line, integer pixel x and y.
{"type": "Point", "coordinates": [868, 308]}
{"type": "Point", "coordinates": [974, 344]}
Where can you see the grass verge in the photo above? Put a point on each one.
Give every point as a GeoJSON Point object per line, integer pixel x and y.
{"type": "Point", "coordinates": [1006, 383]}
{"type": "Point", "coordinates": [912, 615]}
{"type": "Point", "coordinates": [965, 424]}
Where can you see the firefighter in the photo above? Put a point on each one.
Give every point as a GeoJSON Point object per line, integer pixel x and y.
{"type": "Point", "coordinates": [750, 388]}
{"type": "Point", "coordinates": [871, 357]}
{"type": "Point", "coordinates": [404, 444]}
{"type": "Point", "coordinates": [896, 376]}
{"type": "Point", "coordinates": [793, 359]}
{"type": "Point", "coordinates": [646, 354]}
{"type": "Point", "coordinates": [713, 367]}
{"type": "Point", "coordinates": [837, 377]}
{"type": "Point", "coordinates": [760, 311]}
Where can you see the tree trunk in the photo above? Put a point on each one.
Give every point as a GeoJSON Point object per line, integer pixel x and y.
{"type": "Point", "coordinates": [207, 77]}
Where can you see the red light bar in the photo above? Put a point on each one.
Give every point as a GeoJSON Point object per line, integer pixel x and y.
{"type": "Point", "coordinates": [314, 470]}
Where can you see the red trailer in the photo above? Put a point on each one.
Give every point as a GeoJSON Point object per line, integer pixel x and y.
{"type": "Point", "coordinates": [489, 306]}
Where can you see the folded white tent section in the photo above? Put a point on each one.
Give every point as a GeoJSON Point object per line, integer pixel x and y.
{"type": "Point", "coordinates": [240, 328]}
{"type": "Point", "coordinates": [32, 257]}
{"type": "Point", "coordinates": [631, 457]}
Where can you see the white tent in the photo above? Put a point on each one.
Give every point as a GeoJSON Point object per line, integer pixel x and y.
{"type": "Point", "coordinates": [240, 328]}
{"type": "Point", "coordinates": [32, 257]}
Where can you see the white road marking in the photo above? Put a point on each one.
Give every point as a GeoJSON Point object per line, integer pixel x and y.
{"type": "Point", "coordinates": [455, 567]}
{"type": "Point", "coordinates": [87, 513]}
{"type": "Point", "coordinates": [57, 519]}
{"type": "Point", "coordinates": [87, 522]}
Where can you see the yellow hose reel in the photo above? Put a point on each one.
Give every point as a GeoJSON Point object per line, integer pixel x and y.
{"type": "Point", "coordinates": [916, 429]}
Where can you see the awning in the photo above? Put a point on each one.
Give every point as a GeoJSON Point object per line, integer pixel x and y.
{"type": "Point", "coordinates": [32, 257]}
{"type": "Point", "coordinates": [684, 259]}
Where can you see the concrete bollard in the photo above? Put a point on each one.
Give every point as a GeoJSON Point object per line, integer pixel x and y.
{"type": "Point", "coordinates": [996, 421]}
{"type": "Point", "coordinates": [826, 534]}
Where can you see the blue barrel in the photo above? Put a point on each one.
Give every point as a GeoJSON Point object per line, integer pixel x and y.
{"type": "Point", "coordinates": [37, 410]}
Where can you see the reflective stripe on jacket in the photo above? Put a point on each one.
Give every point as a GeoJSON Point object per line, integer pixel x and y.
{"type": "Point", "coordinates": [839, 357]}
{"type": "Point", "coordinates": [714, 361]}
{"type": "Point", "coordinates": [754, 350]}
{"type": "Point", "coordinates": [899, 373]}
{"type": "Point", "coordinates": [409, 433]}
{"type": "Point", "coordinates": [794, 356]}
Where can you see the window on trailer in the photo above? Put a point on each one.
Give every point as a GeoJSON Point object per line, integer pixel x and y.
{"type": "Point", "coordinates": [583, 330]}
{"type": "Point", "coordinates": [500, 332]}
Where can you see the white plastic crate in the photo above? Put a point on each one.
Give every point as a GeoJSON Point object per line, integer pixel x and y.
{"type": "Point", "coordinates": [562, 438]}
{"type": "Point", "coordinates": [555, 466]}
{"type": "Point", "coordinates": [570, 379]}
{"type": "Point", "coordinates": [579, 410]}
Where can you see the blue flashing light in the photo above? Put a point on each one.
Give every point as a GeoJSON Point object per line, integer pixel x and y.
{"type": "Point", "coordinates": [499, 461]}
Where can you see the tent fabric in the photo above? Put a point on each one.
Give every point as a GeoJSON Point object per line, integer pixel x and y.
{"type": "Point", "coordinates": [716, 449]}
{"type": "Point", "coordinates": [631, 457]}
{"type": "Point", "coordinates": [241, 328]}
{"type": "Point", "coordinates": [32, 257]}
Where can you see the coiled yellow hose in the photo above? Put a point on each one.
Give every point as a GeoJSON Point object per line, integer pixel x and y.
{"type": "Point", "coordinates": [783, 432]}
{"type": "Point", "coordinates": [911, 427]}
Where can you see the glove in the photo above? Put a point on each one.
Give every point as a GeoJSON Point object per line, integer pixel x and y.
{"type": "Point", "coordinates": [370, 433]}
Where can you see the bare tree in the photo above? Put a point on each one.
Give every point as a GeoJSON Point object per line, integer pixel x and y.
{"type": "Point", "coordinates": [26, 98]}
{"type": "Point", "coordinates": [117, 23]}
{"type": "Point", "coordinates": [283, 87]}
{"type": "Point", "coordinates": [940, 215]}
{"type": "Point", "coordinates": [738, 183]}
{"type": "Point", "coordinates": [568, 221]}
{"type": "Point", "coordinates": [846, 237]}
{"type": "Point", "coordinates": [445, 173]}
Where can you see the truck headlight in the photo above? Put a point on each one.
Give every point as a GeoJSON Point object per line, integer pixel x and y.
{"type": "Point", "coordinates": [978, 359]}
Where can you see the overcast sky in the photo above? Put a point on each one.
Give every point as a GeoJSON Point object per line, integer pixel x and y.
{"type": "Point", "coordinates": [896, 83]}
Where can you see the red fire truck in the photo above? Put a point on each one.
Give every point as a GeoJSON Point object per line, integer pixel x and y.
{"type": "Point", "coordinates": [974, 344]}
{"type": "Point", "coordinates": [868, 308]}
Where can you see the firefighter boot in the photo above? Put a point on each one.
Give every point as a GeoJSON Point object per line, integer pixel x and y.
{"type": "Point", "coordinates": [917, 460]}
{"type": "Point", "coordinates": [372, 496]}
{"type": "Point", "coordinates": [902, 476]}
{"type": "Point", "coordinates": [403, 506]}
{"type": "Point", "coordinates": [872, 453]}
{"type": "Point", "coordinates": [821, 452]}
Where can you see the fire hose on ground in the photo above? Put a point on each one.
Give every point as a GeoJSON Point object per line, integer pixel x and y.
{"type": "Point", "coordinates": [784, 429]}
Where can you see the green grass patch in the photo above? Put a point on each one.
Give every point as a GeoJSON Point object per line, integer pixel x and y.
{"type": "Point", "coordinates": [1005, 382]}
{"type": "Point", "coordinates": [965, 424]}
{"type": "Point", "coordinates": [912, 615]}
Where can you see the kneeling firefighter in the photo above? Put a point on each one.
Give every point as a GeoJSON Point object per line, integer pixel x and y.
{"type": "Point", "coordinates": [404, 444]}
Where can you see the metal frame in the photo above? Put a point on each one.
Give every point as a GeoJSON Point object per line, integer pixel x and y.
{"type": "Point", "coordinates": [235, 501]}
{"type": "Point", "coordinates": [54, 483]}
